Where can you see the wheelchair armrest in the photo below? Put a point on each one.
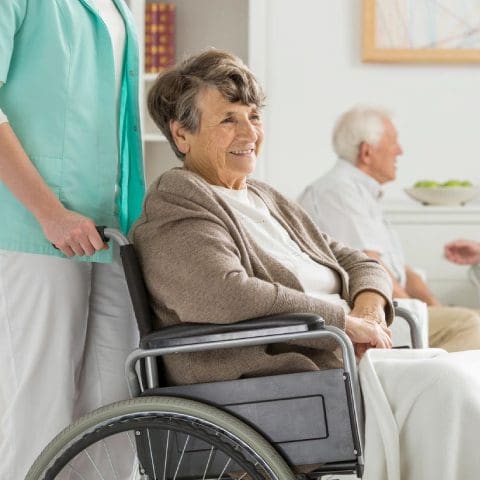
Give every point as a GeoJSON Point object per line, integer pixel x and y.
{"type": "Point", "coordinates": [192, 333]}
{"type": "Point", "coordinates": [409, 310]}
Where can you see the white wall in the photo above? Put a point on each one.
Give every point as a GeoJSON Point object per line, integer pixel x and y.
{"type": "Point", "coordinates": [314, 72]}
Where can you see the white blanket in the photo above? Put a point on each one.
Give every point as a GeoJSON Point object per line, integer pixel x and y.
{"type": "Point", "coordinates": [422, 412]}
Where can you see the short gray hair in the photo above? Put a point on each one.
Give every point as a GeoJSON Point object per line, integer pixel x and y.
{"type": "Point", "coordinates": [356, 126]}
{"type": "Point", "coordinates": [173, 96]}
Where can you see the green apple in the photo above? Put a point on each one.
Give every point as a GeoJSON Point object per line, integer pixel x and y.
{"type": "Point", "coordinates": [426, 184]}
{"type": "Point", "coordinates": [457, 183]}
{"type": "Point", "coordinates": [452, 183]}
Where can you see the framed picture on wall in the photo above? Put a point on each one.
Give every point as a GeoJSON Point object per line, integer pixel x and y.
{"type": "Point", "coordinates": [421, 31]}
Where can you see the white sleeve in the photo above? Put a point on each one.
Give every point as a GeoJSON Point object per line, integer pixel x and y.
{"type": "Point", "coordinates": [3, 117]}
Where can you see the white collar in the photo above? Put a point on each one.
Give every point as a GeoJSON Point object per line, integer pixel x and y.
{"type": "Point", "coordinates": [240, 195]}
{"type": "Point", "coordinates": [347, 168]}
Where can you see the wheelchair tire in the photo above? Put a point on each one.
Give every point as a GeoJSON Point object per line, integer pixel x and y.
{"type": "Point", "coordinates": [153, 433]}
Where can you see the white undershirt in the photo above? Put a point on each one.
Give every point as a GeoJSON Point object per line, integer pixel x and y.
{"type": "Point", "coordinates": [317, 280]}
{"type": "Point", "coordinates": [3, 117]}
{"type": "Point", "coordinates": [116, 28]}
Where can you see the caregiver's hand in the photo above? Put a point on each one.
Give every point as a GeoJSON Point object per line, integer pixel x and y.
{"type": "Point", "coordinates": [72, 233]}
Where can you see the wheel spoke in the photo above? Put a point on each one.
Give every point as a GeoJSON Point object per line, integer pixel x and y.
{"type": "Point", "coordinates": [151, 453]}
{"type": "Point", "coordinates": [110, 459]}
{"type": "Point", "coordinates": [132, 442]}
{"type": "Point", "coordinates": [224, 469]}
{"type": "Point", "coordinates": [94, 465]}
{"type": "Point", "coordinates": [166, 456]}
{"type": "Point", "coordinates": [74, 470]}
{"type": "Point", "coordinates": [208, 462]}
{"type": "Point", "coordinates": [181, 457]}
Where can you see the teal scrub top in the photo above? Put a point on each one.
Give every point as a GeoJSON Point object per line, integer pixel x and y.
{"type": "Point", "coordinates": [56, 62]}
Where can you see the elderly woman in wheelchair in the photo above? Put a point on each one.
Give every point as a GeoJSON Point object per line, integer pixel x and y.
{"type": "Point", "coordinates": [228, 262]}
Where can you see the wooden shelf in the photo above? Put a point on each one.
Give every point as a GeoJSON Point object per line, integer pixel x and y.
{"type": "Point", "coordinates": [150, 77]}
{"type": "Point", "coordinates": [154, 137]}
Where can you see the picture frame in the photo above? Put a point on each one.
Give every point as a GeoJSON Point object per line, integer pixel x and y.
{"type": "Point", "coordinates": [434, 31]}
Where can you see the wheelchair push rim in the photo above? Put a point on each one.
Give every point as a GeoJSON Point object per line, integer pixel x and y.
{"type": "Point", "coordinates": [190, 440]}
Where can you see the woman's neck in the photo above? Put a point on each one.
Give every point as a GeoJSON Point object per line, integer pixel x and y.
{"type": "Point", "coordinates": [216, 178]}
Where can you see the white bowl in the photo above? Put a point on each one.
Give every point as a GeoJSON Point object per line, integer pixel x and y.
{"type": "Point", "coordinates": [443, 195]}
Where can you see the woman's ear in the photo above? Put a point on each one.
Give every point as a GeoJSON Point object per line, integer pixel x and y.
{"type": "Point", "coordinates": [180, 137]}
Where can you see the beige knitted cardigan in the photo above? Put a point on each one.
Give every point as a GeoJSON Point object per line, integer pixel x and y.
{"type": "Point", "coordinates": [200, 265]}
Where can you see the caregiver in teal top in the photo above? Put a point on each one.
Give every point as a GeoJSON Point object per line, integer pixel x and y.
{"type": "Point", "coordinates": [60, 101]}
{"type": "Point", "coordinates": [70, 158]}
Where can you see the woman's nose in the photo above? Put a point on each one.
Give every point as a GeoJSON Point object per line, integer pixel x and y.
{"type": "Point", "coordinates": [248, 130]}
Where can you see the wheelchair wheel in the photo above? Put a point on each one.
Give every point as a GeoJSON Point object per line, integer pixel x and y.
{"type": "Point", "coordinates": [159, 438]}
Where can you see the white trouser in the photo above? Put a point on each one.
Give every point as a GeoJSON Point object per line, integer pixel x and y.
{"type": "Point", "coordinates": [66, 328]}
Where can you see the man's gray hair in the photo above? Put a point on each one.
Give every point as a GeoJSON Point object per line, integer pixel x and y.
{"type": "Point", "coordinates": [356, 126]}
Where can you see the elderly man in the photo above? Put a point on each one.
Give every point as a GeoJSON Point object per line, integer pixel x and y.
{"type": "Point", "coordinates": [345, 204]}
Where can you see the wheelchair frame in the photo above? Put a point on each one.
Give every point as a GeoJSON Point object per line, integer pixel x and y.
{"type": "Point", "coordinates": [279, 328]}
{"type": "Point", "coordinates": [333, 444]}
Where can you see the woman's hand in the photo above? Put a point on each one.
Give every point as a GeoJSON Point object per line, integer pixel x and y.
{"type": "Point", "coordinates": [371, 306]}
{"type": "Point", "coordinates": [366, 325]}
{"type": "Point", "coordinates": [372, 313]}
{"type": "Point", "coordinates": [72, 233]}
{"type": "Point", "coordinates": [366, 333]}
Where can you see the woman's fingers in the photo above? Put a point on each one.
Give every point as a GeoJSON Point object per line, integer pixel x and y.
{"type": "Point", "coordinates": [385, 339]}
{"type": "Point", "coordinates": [360, 349]}
{"type": "Point", "coordinates": [367, 332]}
{"type": "Point", "coordinates": [380, 336]}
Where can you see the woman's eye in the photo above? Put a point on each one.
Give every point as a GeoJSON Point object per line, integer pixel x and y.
{"type": "Point", "coordinates": [256, 117]}
{"type": "Point", "coordinates": [227, 120]}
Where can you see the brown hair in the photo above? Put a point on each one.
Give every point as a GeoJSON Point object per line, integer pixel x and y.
{"type": "Point", "coordinates": [174, 93]}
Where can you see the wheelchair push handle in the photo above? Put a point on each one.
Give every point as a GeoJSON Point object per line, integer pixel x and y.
{"type": "Point", "coordinates": [101, 231]}
{"type": "Point", "coordinates": [133, 276]}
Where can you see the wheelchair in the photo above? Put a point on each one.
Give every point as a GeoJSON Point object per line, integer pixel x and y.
{"type": "Point", "coordinates": [252, 428]}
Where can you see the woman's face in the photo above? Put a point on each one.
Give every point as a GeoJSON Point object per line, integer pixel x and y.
{"type": "Point", "coordinates": [225, 148]}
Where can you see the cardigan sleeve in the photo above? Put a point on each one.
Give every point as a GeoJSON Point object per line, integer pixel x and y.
{"type": "Point", "coordinates": [364, 274]}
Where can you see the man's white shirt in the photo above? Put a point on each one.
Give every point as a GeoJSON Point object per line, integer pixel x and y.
{"type": "Point", "coordinates": [345, 203]}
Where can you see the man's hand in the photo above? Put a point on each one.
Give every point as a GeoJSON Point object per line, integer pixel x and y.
{"type": "Point", "coordinates": [72, 233]}
{"type": "Point", "coordinates": [463, 252]}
